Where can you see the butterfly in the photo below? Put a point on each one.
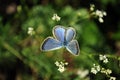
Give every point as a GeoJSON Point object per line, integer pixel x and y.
{"type": "Point", "coordinates": [62, 37]}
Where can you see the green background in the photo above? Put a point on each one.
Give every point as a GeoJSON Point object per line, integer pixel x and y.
{"type": "Point", "coordinates": [20, 55]}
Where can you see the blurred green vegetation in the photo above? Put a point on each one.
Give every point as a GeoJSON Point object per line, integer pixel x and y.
{"type": "Point", "coordinates": [20, 55]}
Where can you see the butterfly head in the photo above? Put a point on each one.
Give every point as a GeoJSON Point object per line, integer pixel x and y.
{"type": "Point", "coordinates": [64, 43]}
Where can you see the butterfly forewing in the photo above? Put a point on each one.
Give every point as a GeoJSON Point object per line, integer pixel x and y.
{"type": "Point", "coordinates": [59, 33]}
{"type": "Point", "coordinates": [73, 47]}
{"type": "Point", "coordinates": [70, 34]}
{"type": "Point", "coordinates": [50, 44]}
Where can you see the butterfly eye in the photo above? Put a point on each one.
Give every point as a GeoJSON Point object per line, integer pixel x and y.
{"type": "Point", "coordinates": [64, 43]}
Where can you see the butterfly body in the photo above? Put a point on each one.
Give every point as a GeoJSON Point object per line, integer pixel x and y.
{"type": "Point", "coordinates": [62, 38]}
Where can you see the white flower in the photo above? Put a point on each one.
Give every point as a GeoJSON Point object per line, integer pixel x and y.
{"type": "Point", "coordinates": [103, 58]}
{"type": "Point", "coordinates": [104, 13]}
{"type": "Point", "coordinates": [95, 69]}
{"type": "Point", "coordinates": [100, 20]}
{"type": "Point", "coordinates": [97, 13]}
{"type": "Point", "coordinates": [66, 63]}
{"type": "Point", "coordinates": [103, 70]}
{"type": "Point", "coordinates": [82, 73]}
{"type": "Point", "coordinates": [56, 17]}
{"type": "Point", "coordinates": [92, 6]}
{"type": "Point", "coordinates": [61, 69]}
{"type": "Point", "coordinates": [30, 31]}
{"type": "Point", "coordinates": [105, 61]}
{"type": "Point", "coordinates": [112, 78]}
{"type": "Point", "coordinates": [61, 66]}
{"type": "Point", "coordinates": [100, 15]}
{"type": "Point", "coordinates": [57, 63]}
{"type": "Point", "coordinates": [98, 68]}
{"type": "Point", "coordinates": [106, 71]}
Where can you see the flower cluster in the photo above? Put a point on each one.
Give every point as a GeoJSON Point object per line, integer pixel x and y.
{"type": "Point", "coordinates": [106, 71]}
{"type": "Point", "coordinates": [103, 58]}
{"type": "Point", "coordinates": [98, 13]}
{"type": "Point", "coordinates": [61, 65]}
{"type": "Point", "coordinates": [56, 17]}
{"type": "Point", "coordinates": [30, 31]}
{"type": "Point", "coordinates": [95, 69]}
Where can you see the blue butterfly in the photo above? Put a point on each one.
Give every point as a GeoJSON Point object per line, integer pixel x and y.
{"type": "Point", "coordinates": [63, 37]}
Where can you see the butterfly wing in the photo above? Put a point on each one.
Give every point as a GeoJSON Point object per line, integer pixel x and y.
{"type": "Point", "coordinates": [59, 33]}
{"type": "Point", "coordinates": [73, 47]}
{"type": "Point", "coordinates": [50, 44]}
{"type": "Point", "coordinates": [70, 34]}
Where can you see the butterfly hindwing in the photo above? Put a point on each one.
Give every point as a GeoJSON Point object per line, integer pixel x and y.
{"type": "Point", "coordinates": [73, 47]}
{"type": "Point", "coordinates": [50, 44]}
{"type": "Point", "coordinates": [59, 33]}
{"type": "Point", "coordinates": [70, 34]}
